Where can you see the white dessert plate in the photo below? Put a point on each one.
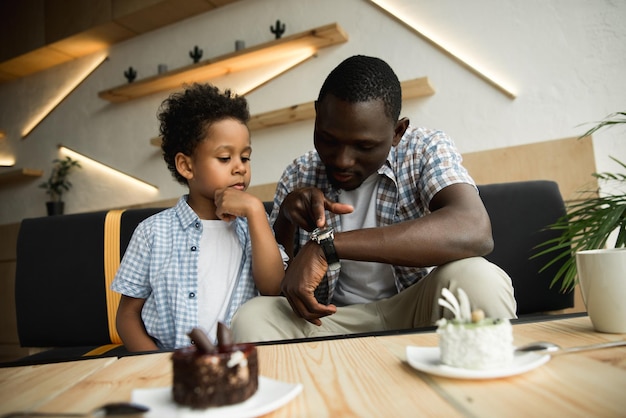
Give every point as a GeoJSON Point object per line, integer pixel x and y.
{"type": "Point", "coordinates": [271, 395]}
{"type": "Point", "coordinates": [427, 359]}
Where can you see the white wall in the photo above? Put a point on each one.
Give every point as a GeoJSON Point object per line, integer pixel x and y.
{"type": "Point", "coordinates": [566, 59]}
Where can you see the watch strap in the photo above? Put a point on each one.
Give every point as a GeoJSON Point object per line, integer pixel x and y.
{"type": "Point", "coordinates": [328, 246]}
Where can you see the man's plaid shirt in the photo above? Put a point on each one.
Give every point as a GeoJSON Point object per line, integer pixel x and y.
{"type": "Point", "coordinates": [423, 163]}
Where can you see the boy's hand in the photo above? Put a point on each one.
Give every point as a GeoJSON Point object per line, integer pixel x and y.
{"type": "Point", "coordinates": [231, 202]}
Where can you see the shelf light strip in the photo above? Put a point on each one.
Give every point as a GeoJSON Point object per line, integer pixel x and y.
{"type": "Point", "coordinates": [266, 74]}
{"type": "Point", "coordinates": [388, 8]}
{"type": "Point", "coordinates": [7, 161]}
{"type": "Point", "coordinates": [110, 170]}
{"type": "Point", "coordinates": [56, 101]}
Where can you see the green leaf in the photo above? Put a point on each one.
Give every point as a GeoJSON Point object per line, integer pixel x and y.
{"type": "Point", "coordinates": [589, 222]}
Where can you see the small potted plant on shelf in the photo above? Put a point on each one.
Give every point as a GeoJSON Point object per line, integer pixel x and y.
{"type": "Point", "coordinates": [591, 221]}
{"type": "Point", "coordinates": [58, 183]}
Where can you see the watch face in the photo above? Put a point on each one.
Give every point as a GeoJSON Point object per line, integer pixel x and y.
{"type": "Point", "coordinates": [322, 233]}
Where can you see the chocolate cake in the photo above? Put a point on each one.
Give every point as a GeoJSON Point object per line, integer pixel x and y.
{"type": "Point", "coordinates": [206, 375]}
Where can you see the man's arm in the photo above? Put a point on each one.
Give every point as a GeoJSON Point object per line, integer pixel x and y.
{"type": "Point", "coordinates": [457, 227]}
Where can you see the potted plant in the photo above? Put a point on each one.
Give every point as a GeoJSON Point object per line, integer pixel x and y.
{"type": "Point", "coordinates": [58, 183]}
{"type": "Point", "coordinates": [591, 221]}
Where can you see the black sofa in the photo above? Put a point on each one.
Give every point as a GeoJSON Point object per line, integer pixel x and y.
{"type": "Point", "coordinates": [61, 288]}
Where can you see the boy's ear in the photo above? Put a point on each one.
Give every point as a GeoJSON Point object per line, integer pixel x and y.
{"type": "Point", "coordinates": [184, 165]}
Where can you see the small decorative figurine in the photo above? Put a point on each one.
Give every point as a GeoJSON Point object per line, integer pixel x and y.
{"type": "Point", "coordinates": [130, 74]}
{"type": "Point", "coordinates": [195, 54]}
{"type": "Point", "coordinates": [278, 29]}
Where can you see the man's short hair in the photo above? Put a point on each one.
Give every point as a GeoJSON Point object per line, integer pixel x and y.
{"type": "Point", "coordinates": [361, 79]}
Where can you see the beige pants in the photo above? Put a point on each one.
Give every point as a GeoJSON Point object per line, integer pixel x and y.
{"type": "Point", "coordinates": [269, 318]}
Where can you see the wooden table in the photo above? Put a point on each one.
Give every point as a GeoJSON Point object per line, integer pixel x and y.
{"type": "Point", "coordinates": [361, 377]}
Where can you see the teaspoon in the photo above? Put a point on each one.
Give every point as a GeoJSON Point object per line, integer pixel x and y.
{"type": "Point", "coordinates": [554, 349]}
{"type": "Point", "coordinates": [116, 408]}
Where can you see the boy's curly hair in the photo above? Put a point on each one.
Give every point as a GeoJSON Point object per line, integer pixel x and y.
{"type": "Point", "coordinates": [185, 118]}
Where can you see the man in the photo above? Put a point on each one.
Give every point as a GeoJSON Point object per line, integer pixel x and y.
{"type": "Point", "coordinates": [398, 201]}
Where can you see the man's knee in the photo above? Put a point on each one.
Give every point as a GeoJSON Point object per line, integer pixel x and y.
{"type": "Point", "coordinates": [253, 306]}
{"type": "Point", "coordinates": [474, 266]}
{"type": "Point", "coordinates": [257, 310]}
{"type": "Point", "coordinates": [259, 319]}
{"type": "Point", "coordinates": [487, 285]}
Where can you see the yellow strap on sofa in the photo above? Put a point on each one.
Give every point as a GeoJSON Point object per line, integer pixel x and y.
{"type": "Point", "coordinates": [101, 350]}
{"type": "Point", "coordinates": [112, 223]}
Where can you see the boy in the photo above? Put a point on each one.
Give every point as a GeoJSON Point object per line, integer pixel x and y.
{"type": "Point", "coordinates": [196, 263]}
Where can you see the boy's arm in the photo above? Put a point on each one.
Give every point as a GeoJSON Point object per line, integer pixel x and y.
{"type": "Point", "coordinates": [130, 325]}
{"type": "Point", "coordinates": [267, 263]}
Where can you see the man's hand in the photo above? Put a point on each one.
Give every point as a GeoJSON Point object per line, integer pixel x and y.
{"type": "Point", "coordinates": [305, 208]}
{"type": "Point", "coordinates": [303, 276]}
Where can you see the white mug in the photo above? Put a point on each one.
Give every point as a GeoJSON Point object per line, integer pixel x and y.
{"type": "Point", "coordinates": [602, 278]}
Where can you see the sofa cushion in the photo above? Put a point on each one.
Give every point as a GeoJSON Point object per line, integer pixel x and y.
{"type": "Point", "coordinates": [520, 213]}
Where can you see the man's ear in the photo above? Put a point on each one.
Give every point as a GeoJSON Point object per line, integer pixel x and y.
{"type": "Point", "coordinates": [399, 130]}
{"type": "Point", "coordinates": [184, 165]}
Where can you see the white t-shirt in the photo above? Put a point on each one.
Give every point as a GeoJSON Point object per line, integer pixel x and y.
{"type": "Point", "coordinates": [362, 281]}
{"type": "Point", "coordinates": [218, 267]}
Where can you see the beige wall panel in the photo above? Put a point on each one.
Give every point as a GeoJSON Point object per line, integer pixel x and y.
{"type": "Point", "coordinates": [4, 77]}
{"type": "Point", "coordinates": [121, 8]}
{"type": "Point", "coordinates": [65, 18]}
{"type": "Point", "coordinates": [34, 61]}
{"type": "Point", "coordinates": [8, 324]}
{"type": "Point", "coordinates": [93, 40]}
{"type": "Point", "coordinates": [45, 33]}
{"type": "Point", "coordinates": [8, 241]}
{"type": "Point", "coordinates": [219, 3]}
{"type": "Point", "coordinates": [570, 162]}
{"type": "Point", "coordinates": [21, 27]}
{"type": "Point", "coordinates": [265, 192]}
{"type": "Point", "coordinates": [155, 14]}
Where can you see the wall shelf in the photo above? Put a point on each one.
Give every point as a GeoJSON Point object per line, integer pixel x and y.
{"type": "Point", "coordinates": [44, 34]}
{"type": "Point", "coordinates": [411, 89]}
{"type": "Point", "coordinates": [245, 59]}
{"type": "Point", "coordinates": [19, 174]}
{"type": "Point", "coordinates": [419, 87]}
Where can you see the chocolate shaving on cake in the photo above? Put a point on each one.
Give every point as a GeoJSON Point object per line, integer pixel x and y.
{"type": "Point", "coordinates": [202, 341]}
{"type": "Point", "coordinates": [208, 376]}
{"type": "Point", "coordinates": [224, 337]}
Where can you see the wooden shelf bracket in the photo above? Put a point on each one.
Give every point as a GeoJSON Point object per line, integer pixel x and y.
{"type": "Point", "coordinates": [19, 174]}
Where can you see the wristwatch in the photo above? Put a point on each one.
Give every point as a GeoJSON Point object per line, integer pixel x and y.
{"type": "Point", "coordinates": [325, 238]}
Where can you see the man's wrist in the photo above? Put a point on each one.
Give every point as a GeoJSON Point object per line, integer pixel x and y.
{"type": "Point", "coordinates": [325, 237]}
